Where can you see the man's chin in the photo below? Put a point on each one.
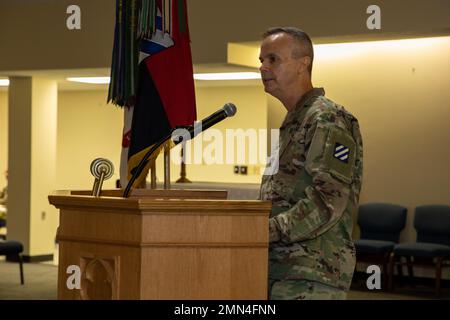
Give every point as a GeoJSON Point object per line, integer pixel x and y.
{"type": "Point", "coordinates": [274, 93]}
{"type": "Point", "coordinates": [267, 89]}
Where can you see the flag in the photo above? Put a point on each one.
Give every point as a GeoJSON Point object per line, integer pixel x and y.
{"type": "Point", "coordinates": [165, 95]}
{"type": "Point", "coordinates": [122, 86]}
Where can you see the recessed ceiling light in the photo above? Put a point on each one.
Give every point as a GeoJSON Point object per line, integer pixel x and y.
{"type": "Point", "coordinates": [4, 82]}
{"type": "Point", "coordinates": [227, 76]}
{"type": "Point", "coordinates": [197, 76]}
{"type": "Point", "coordinates": [94, 80]}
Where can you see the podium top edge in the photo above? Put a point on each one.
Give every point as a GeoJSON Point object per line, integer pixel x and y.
{"type": "Point", "coordinates": [146, 204]}
{"type": "Point", "coordinates": [152, 193]}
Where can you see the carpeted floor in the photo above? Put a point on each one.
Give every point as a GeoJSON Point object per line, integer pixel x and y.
{"type": "Point", "coordinates": [41, 284]}
{"type": "Point", "coordinates": [40, 281]}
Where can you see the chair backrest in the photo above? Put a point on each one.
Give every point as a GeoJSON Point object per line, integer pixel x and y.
{"type": "Point", "coordinates": [381, 221]}
{"type": "Point", "coordinates": [432, 223]}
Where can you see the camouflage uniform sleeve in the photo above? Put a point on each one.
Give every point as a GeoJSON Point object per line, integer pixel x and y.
{"type": "Point", "coordinates": [329, 166]}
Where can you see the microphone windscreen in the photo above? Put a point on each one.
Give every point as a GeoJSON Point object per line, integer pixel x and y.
{"type": "Point", "coordinates": [230, 109]}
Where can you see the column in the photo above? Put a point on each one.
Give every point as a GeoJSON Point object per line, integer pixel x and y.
{"type": "Point", "coordinates": [31, 164]}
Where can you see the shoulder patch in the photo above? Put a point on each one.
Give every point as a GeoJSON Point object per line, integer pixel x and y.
{"type": "Point", "coordinates": [341, 152]}
{"type": "Point", "coordinates": [332, 150]}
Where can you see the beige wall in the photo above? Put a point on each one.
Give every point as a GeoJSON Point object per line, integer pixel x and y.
{"type": "Point", "coordinates": [3, 136]}
{"type": "Point", "coordinates": [88, 128]}
{"type": "Point", "coordinates": [399, 92]}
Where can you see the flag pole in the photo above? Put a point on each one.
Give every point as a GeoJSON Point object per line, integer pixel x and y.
{"type": "Point", "coordinates": [153, 175]}
{"type": "Point", "coordinates": [166, 166]}
{"type": "Point", "coordinates": [183, 178]}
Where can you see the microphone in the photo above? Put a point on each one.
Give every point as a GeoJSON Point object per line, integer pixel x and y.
{"type": "Point", "coordinates": [182, 134]}
{"type": "Point", "coordinates": [102, 169]}
{"type": "Point", "coordinates": [186, 133]}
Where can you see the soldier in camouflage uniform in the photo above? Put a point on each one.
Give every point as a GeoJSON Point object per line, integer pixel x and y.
{"type": "Point", "coordinates": [316, 188]}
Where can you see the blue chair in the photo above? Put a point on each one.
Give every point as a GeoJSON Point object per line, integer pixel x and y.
{"type": "Point", "coordinates": [380, 225]}
{"type": "Point", "coordinates": [432, 247]}
{"type": "Point", "coordinates": [13, 249]}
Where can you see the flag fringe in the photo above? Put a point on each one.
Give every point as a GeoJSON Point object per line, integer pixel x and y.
{"type": "Point", "coordinates": [135, 20]}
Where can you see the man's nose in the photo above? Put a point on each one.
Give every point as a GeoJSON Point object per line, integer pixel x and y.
{"type": "Point", "coordinates": [263, 67]}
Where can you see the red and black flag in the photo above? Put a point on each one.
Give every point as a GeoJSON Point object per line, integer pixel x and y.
{"type": "Point", "coordinates": [164, 97]}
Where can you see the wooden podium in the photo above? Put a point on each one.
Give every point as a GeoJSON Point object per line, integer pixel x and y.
{"type": "Point", "coordinates": [161, 244]}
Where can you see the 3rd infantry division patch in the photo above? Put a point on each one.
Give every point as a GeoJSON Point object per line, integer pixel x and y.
{"type": "Point", "coordinates": [341, 152]}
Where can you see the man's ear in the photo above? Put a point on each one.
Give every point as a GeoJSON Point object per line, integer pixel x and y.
{"type": "Point", "coordinates": [305, 62]}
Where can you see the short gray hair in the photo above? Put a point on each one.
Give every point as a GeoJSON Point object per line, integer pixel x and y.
{"type": "Point", "coordinates": [305, 47]}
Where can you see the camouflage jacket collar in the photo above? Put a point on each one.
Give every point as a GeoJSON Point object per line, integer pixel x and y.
{"type": "Point", "coordinates": [304, 100]}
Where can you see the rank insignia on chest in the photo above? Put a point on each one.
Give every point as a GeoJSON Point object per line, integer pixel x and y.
{"type": "Point", "coordinates": [341, 152]}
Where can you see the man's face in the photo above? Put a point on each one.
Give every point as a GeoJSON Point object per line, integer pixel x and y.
{"type": "Point", "coordinates": [279, 71]}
